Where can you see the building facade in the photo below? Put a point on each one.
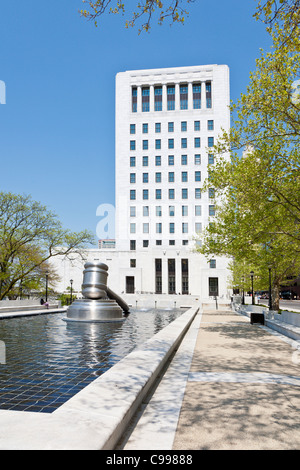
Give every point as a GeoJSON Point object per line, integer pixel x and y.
{"type": "Point", "coordinates": [166, 121]}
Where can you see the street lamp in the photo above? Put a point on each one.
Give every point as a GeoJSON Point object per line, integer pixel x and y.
{"type": "Point", "coordinates": [71, 282]}
{"type": "Point", "coordinates": [243, 297]}
{"type": "Point", "coordinates": [251, 274]}
{"type": "Point", "coordinates": [270, 290]}
{"type": "Point", "coordinates": [47, 286]}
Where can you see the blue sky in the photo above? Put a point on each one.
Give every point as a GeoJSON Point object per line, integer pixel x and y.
{"type": "Point", "coordinates": [57, 126]}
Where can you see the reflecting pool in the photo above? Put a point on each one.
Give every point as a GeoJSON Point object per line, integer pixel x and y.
{"type": "Point", "coordinates": [47, 360]}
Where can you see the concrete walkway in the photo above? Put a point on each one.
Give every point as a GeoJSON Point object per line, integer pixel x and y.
{"type": "Point", "coordinates": [231, 385]}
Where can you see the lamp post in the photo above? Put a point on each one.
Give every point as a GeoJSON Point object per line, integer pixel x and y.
{"type": "Point", "coordinates": [47, 286]}
{"type": "Point", "coordinates": [270, 290]}
{"type": "Point", "coordinates": [71, 282]}
{"type": "Point", "coordinates": [251, 274]}
{"type": "Point", "coordinates": [243, 296]}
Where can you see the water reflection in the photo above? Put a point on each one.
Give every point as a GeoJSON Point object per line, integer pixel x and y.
{"type": "Point", "coordinates": [48, 360]}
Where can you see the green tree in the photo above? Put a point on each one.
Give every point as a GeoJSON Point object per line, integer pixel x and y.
{"type": "Point", "coordinates": [30, 235]}
{"type": "Point", "coordinates": [172, 9]}
{"type": "Point", "coordinates": [257, 172]}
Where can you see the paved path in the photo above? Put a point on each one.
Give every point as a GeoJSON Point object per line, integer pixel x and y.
{"type": "Point", "coordinates": [232, 385]}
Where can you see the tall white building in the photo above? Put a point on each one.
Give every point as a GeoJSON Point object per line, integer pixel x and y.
{"type": "Point", "coordinates": [166, 121]}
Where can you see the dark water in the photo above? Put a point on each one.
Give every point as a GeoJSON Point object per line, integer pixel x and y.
{"type": "Point", "coordinates": [47, 360]}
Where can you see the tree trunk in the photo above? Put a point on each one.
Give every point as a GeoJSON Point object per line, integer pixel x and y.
{"type": "Point", "coordinates": [275, 295]}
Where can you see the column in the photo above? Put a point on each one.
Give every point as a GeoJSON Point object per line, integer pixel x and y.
{"type": "Point", "coordinates": [164, 97]}
{"type": "Point", "coordinates": [190, 96]}
{"type": "Point", "coordinates": [139, 99]}
{"type": "Point", "coordinates": [177, 97]}
{"type": "Point", "coordinates": [151, 98]}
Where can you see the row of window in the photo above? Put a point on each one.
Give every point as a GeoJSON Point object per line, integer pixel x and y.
{"type": "Point", "coordinates": [183, 127]}
{"type": "Point", "coordinates": [171, 177]}
{"type": "Point", "coordinates": [171, 194]}
{"type": "Point", "coordinates": [171, 160]}
{"type": "Point", "coordinates": [132, 263]}
{"type": "Point", "coordinates": [171, 143]}
{"type": "Point", "coordinates": [184, 227]}
{"type": "Point", "coordinates": [171, 99]}
{"type": "Point", "coordinates": [170, 209]}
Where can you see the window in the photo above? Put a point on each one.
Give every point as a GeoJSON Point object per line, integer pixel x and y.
{"type": "Point", "coordinates": [171, 98]}
{"type": "Point", "coordinates": [185, 276]}
{"type": "Point", "coordinates": [197, 159]}
{"type": "Point", "coordinates": [184, 143]}
{"type": "Point", "coordinates": [171, 159]}
{"type": "Point", "coordinates": [171, 193]}
{"type": "Point", "coordinates": [171, 242]}
{"type": "Point", "coordinates": [197, 193]}
{"type": "Point", "coordinates": [145, 128]}
{"type": "Point", "coordinates": [184, 193]}
{"type": "Point", "coordinates": [171, 276]}
{"type": "Point", "coordinates": [132, 161]}
{"type": "Point", "coordinates": [172, 227]}
{"type": "Point", "coordinates": [210, 141]}
{"type": "Point", "coordinates": [198, 227]}
{"type": "Point", "coordinates": [211, 210]}
{"type": "Point", "coordinates": [196, 125]}
{"type": "Point", "coordinates": [132, 245]}
{"type": "Point", "coordinates": [132, 145]}
{"type": "Point", "coordinates": [145, 228]}
{"type": "Point", "coordinates": [184, 211]}
{"type": "Point", "coordinates": [159, 227]}
{"type": "Point", "coordinates": [170, 143]}
{"type": "Point", "coordinates": [210, 125]}
{"type": "Point", "coordinates": [145, 161]}
{"type": "Point", "coordinates": [132, 194]}
{"type": "Point", "coordinates": [208, 94]}
{"type": "Point", "coordinates": [145, 177]}
{"type": "Point", "coordinates": [157, 127]}
{"type": "Point", "coordinates": [158, 98]}
{"type": "Point", "coordinates": [157, 177]}
{"type": "Point", "coordinates": [158, 211]}
{"type": "Point", "coordinates": [132, 211]}
{"type": "Point", "coordinates": [132, 128]}
{"type": "Point", "coordinates": [212, 263]}
{"type": "Point", "coordinates": [145, 144]}
{"type": "Point", "coordinates": [134, 100]}
{"type": "Point", "coordinates": [197, 175]}
{"type": "Point", "coordinates": [132, 228]}
{"type": "Point", "coordinates": [171, 176]}
{"type": "Point", "coordinates": [211, 159]}
{"type": "Point", "coordinates": [145, 211]}
{"type": "Point", "coordinates": [171, 211]}
{"type": "Point", "coordinates": [211, 193]}
{"type": "Point", "coordinates": [185, 242]}
{"type": "Point", "coordinates": [157, 143]}
{"type": "Point", "coordinates": [145, 194]}
{"type": "Point", "coordinates": [157, 160]}
{"type": "Point", "coordinates": [184, 176]}
{"type": "Point", "coordinates": [158, 274]}
{"type": "Point", "coordinates": [197, 95]}
{"type": "Point", "coordinates": [185, 227]}
{"type": "Point", "coordinates": [197, 142]}
{"type": "Point", "coordinates": [158, 194]}
{"type": "Point", "coordinates": [197, 210]}
{"type": "Point", "coordinates": [183, 159]}
{"type": "Point", "coordinates": [170, 126]}
{"type": "Point", "coordinates": [213, 288]}
{"type": "Point", "coordinates": [183, 126]}
{"type": "Point", "coordinates": [183, 96]}
{"type": "Point", "coordinates": [158, 242]}
{"type": "Point", "coordinates": [132, 177]}
{"type": "Point", "coordinates": [145, 99]}
{"type": "Point", "coordinates": [133, 263]}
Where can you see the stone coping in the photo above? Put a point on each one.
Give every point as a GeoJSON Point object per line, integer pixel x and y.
{"type": "Point", "coordinates": [97, 416]}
